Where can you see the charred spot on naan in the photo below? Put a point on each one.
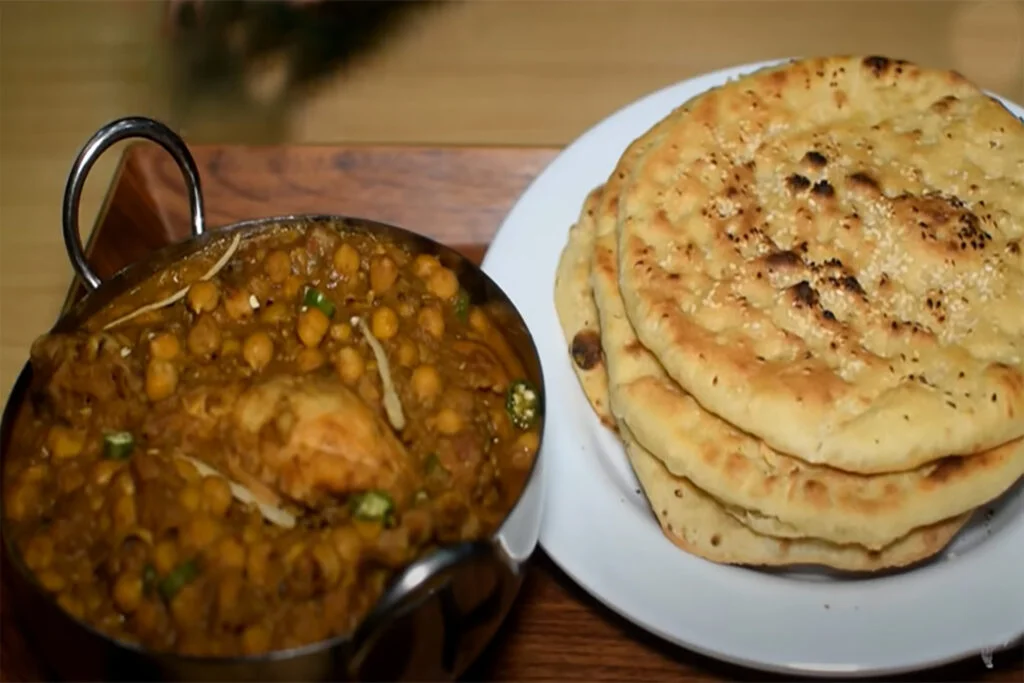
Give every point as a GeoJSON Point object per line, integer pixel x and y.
{"type": "Point", "coordinates": [879, 66]}
{"type": "Point", "coordinates": [586, 349]}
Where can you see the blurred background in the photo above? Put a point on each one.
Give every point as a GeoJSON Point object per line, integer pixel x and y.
{"type": "Point", "coordinates": [516, 72]}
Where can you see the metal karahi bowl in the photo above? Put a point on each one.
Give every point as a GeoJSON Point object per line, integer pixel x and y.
{"type": "Point", "coordinates": [436, 615]}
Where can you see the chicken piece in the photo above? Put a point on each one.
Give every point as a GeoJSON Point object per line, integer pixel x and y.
{"type": "Point", "coordinates": [312, 437]}
{"type": "Point", "coordinates": [79, 369]}
{"type": "Point", "coordinates": [196, 418]}
{"type": "Point", "coordinates": [479, 367]}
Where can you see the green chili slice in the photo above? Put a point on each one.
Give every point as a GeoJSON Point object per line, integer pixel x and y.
{"type": "Point", "coordinates": [317, 299]}
{"type": "Point", "coordinates": [461, 305]}
{"type": "Point", "coordinates": [178, 578]}
{"type": "Point", "coordinates": [373, 506]}
{"type": "Point", "coordinates": [118, 445]}
{"type": "Point", "coordinates": [522, 402]}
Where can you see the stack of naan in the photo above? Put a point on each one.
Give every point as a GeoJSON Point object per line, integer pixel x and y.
{"type": "Point", "coordinates": [799, 301]}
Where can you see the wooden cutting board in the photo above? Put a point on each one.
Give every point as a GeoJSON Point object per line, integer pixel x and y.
{"type": "Point", "coordinates": [458, 195]}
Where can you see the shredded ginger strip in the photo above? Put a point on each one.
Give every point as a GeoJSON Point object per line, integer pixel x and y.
{"type": "Point", "coordinates": [216, 268]}
{"type": "Point", "coordinates": [271, 513]}
{"type": "Point", "coordinates": [392, 404]}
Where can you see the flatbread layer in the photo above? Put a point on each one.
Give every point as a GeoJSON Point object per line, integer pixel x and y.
{"type": "Point", "coordinates": [828, 254]}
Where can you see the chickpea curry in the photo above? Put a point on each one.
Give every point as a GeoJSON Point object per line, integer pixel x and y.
{"type": "Point", "coordinates": [243, 465]}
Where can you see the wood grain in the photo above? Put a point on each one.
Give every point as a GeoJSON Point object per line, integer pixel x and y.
{"type": "Point", "coordinates": [556, 631]}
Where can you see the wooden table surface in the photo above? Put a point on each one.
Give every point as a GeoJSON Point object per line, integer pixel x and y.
{"type": "Point", "coordinates": [459, 195]}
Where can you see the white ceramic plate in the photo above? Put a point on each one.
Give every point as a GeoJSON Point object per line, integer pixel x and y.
{"type": "Point", "coordinates": [599, 529]}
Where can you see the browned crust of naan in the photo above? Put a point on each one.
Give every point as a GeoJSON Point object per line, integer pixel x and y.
{"type": "Point", "coordinates": [742, 471]}
{"type": "Point", "coordinates": [850, 290]}
{"type": "Point", "coordinates": [698, 524]}
{"type": "Point", "coordinates": [577, 312]}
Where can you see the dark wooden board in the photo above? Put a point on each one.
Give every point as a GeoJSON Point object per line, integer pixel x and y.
{"type": "Point", "coordinates": [556, 632]}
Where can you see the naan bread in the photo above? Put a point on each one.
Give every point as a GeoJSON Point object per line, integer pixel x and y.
{"type": "Point", "coordinates": [698, 523]}
{"type": "Point", "coordinates": [782, 493]}
{"type": "Point", "coordinates": [577, 312]}
{"type": "Point", "coordinates": [828, 255]}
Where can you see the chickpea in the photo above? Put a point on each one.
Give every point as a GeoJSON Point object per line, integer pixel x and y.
{"type": "Point", "coordinates": [91, 597]}
{"type": "Point", "coordinates": [165, 556]}
{"type": "Point", "coordinates": [22, 502]}
{"type": "Point", "coordinates": [341, 332]}
{"type": "Point", "coordinates": [51, 580]}
{"type": "Point", "coordinates": [68, 602]}
{"type": "Point", "coordinates": [309, 360]}
{"type": "Point", "coordinates": [348, 544]}
{"type": "Point", "coordinates": [292, 286]}
{"type": "Point", "coordinates": [34, 474]}
{"type": "Point", "coordinates": [406, 309]}
{"type": "Point", "coordinates": [39, 553]}
{"type": "Point", "coordinates": [431, 321]}
{"type": "Point", "coordinates": [237, 304]}
{"type": "Point", "coordinates": [161, 379]}
{"type": "Point", "coordinates": [128, 592]}
{"type": "Point", "coordinates": [216, 495]}
{"type": "Point", "coordinates": [448, 422]}
{"type": "Point", "coordinates": [164, 346]}
{"type": "Point", "coordinates": [185, 606]}
{"type": "Point", "coordinates": [204, 338]}
{"type": "Point", "coordinates": [383, 273]}
{"type": "Point", "coordinates": [190, 498]}
{"type": "Point", "coordinates": [328, 562]}
{"type": "Point", "coordinates": [296, 549]}
{"type": "Point", "coordinates": [384, 323]}
{"type": "Point", "coordinates": [443, 284]}
{"type": "Point", "coordinates": [186, 470]}
{"type": "Point", "coordinates": [408, 353]}
{"type": "Point", "coordinates": [528, 441]}
{"type": "Point", "coordinates": [350, 365]}
{"type": "Point", "coordinates": [274, 314]}
{"type": "Point", "coordinates": [278, 266]}
{"type": "Point", "coordinates": [203, 297]}
{"type": "Point", "coordinates": [424, 265]}
{"type": "Point", "coordinates": [426, 383]}
{"type": "Point", "coordinates": [104, 470]}
{"type": "Point", "coordinates": [252, 532]}
{"type": "Point", "coordinates": [346, 260]}
{"type": "Point", "coordinates": [255, 639]}
{"type": "Point", "coordinates": [478, 320]}
{"type": "Point", "coordinates": [312, 326]}
{"type": "Point", "coordinates": [258, 350]}
{"type": "Point", "coordinates": [201, 531]}
{"type": "Point", "coordinates": [124, 513]}
{"type": "Point", "coordinates": [230, 347]}
{"type": "Point", "coordinates": [230, 553]}
{"type": "Point", "coordinates": [65, 442]}
{"type": "Point", "coordinates": [123, 482]}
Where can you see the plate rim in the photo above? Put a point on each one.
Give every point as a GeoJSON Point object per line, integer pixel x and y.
{"type": "Point", "coordinates": [557, 367]}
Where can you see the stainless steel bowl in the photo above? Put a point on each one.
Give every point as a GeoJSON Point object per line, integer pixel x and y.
{"type": "Point", "coordinates": [436, 615]}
